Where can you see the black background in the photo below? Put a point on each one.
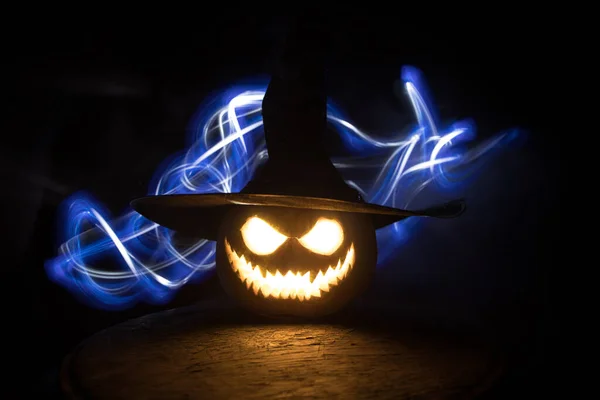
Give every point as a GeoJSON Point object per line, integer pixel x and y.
{"type": "Point", "coordinates": [96, 108]}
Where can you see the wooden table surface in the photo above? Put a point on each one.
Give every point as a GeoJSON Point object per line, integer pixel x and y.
{"type": "Point", "coordinates": [214, 351]}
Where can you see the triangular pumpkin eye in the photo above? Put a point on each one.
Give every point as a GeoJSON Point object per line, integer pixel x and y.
{"type": "Point", "coordinates": [260, 237]}
{"type": "Point", "coordinates": [324, 238]}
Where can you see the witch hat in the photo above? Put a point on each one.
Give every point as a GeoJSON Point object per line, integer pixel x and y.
{"type": "Point", "coordinates": [298, 173]}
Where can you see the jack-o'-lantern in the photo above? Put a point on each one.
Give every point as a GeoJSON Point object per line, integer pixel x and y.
{"type": "Point", "coordinates": [295, 262]}
{"type": "Point", "coordinates": [297, 240]}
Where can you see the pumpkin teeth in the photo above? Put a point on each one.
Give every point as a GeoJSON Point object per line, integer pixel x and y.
{"type": "Point", "coordinates": [291, 285]}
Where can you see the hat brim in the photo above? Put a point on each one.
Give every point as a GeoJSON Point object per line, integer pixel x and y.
{"type": "Point", "coordinates": [200, 214]}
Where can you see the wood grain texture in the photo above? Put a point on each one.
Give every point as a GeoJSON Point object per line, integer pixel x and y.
{"type": "Point", "coordinates": [216, 353]}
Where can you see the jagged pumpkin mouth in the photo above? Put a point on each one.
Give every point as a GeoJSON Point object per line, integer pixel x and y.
{"type": "Point", "coordinates": [286, 283]}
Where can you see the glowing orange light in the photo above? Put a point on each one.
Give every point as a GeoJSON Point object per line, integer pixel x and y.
{"type": "Point", "coordinates": [289, 285]}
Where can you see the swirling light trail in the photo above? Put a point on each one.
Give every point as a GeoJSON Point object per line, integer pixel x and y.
{"type": "Point", "coordinates": [224, 152]}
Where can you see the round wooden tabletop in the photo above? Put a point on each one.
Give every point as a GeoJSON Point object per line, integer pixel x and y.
{"type": "Point", "coordinates": [210, 351]}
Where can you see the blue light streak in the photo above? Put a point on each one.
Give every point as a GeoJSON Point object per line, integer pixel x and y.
{"type": "Point", "coordinates": [146, 262]}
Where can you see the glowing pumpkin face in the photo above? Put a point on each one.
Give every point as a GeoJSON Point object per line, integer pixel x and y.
{"type": "Point", "coordinates": [295, 262]}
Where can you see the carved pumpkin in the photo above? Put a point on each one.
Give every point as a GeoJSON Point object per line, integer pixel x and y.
{"type": "Point", "coordinates": [283, 261]}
